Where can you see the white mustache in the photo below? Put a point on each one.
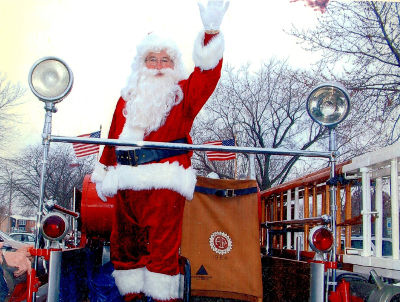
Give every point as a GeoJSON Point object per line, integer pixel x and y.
{"type": "Point", "coordinates": [155, 72]}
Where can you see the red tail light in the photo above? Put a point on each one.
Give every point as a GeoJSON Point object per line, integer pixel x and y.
{"type": "Point", "coordinates": [320, 239]}
{"type": "Point", "coordinates": [54, 226]}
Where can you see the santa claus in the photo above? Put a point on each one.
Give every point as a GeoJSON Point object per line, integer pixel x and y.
{"type": "Point", "coordinates": [151, 185]}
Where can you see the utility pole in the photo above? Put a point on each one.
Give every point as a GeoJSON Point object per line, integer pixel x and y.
{"type": "Point", "coordinates": [9, 203]}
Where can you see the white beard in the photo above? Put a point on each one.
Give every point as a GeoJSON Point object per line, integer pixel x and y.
{"type": "Point", "coordinates": [147, 108]}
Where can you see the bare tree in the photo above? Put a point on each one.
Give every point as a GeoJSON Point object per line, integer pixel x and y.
{"type": "Point", "coordinates": [10, 96]}
{"type": "Point", "coordinates": [64, 172]}
{"type": "Point", "coordinates": [261, 109]}
{"type": "Point", "coordinates": [359, 42]}
{"type": "Point", "coordinates": [7, 193]}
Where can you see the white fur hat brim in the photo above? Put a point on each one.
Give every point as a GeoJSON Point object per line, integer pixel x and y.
{"type": "Point", "coordinates": [156, 42]}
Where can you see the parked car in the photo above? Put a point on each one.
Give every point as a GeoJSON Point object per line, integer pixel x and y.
{"type": "Point", "coordinates": [10, 243]}
{"type": "Point", "coordinates": [23, 237]}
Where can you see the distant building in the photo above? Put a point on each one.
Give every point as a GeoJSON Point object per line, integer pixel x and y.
{"type": "Point", "coordinates": [18, 223]}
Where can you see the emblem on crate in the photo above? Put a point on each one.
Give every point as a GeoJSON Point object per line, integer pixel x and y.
{"type": "Point", "coordinates": [220, 243]}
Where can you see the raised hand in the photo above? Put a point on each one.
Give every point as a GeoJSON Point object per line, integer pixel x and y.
{"type": "Point", "coordinates": [213, 13]}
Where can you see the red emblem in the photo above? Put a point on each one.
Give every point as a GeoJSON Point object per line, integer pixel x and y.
{"type": "Point", "coordinates": [220, 243]}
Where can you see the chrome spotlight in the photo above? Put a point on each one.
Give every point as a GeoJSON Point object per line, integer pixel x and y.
{"type": "Point", "coordinates": [50, 79]}
{"type": "Point", "coordinates": [328, 104]}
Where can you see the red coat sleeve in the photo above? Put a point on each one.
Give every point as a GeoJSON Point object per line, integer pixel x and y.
{"type": "Point", "coordinates": [108, 157]}
{"type": "Point", "coordinates": [200, 85]}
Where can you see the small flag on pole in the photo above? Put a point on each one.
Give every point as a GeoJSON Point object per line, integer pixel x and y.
{"type": "Point", "coordinates": [86, 149]}
{"type": "Point", "coordinates": [219, 155]}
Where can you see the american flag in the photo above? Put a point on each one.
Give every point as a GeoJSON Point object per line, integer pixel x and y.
{"type": "Point", "coordinates": [86, 149]}
{"type": "Point", "coordinates": [218, 155]}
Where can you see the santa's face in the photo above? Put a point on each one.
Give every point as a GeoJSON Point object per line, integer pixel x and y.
{"type": "Point", "coordinates": [159, 60]}
{"type": "Point", "coordinates": [156, 92]}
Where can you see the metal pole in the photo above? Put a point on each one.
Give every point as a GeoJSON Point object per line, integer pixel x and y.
{"type": "Point", "coordinates": [366, 212]}
{"type": "Point", "coordinates": [317, 282]}
{"type": "Point", "coordinates": [54, 276]}
{"type": "Point", "coordinates": [50, 108]}
{"type": "Point", "coordinates": [177, 146]}
{"type": "Point", "coordinates": [298, 248]}
{"type": "Point", "coordinates": [324, 219]}
{"type": "Point", "coordinates": [332, 160]}
{"type": "Point", "coordinates": [74, 220]}
{"type": "Point", "coordinates": [289, 216]}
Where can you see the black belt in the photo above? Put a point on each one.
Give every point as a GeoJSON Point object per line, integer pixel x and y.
{"type": "Point", "coordinates": [226, 192]}
{"type": "Point", "coordinates": [141, 156]}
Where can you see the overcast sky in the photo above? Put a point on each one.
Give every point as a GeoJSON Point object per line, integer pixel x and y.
{"type": "Point", "coordinates": [98, 39]}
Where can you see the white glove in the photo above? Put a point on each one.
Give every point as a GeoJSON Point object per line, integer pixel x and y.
{"type": "Point", "coordinates": [212, 15]}
{"type": "Point", "coordinates": [99, 191]}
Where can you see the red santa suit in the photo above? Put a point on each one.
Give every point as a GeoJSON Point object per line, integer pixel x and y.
{"type": "Point", "coordinates": [150, 197]}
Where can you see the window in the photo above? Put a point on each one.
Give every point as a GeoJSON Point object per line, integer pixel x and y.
{"type": "Point", "coordinates": [27, 238]}
{"type": "Point", "coordinates": [17, 237]}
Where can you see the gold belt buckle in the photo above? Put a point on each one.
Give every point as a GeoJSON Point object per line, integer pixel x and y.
{"type": "Point", "coordinates": [133, 161]}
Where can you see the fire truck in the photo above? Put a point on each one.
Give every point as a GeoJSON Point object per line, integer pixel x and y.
{"type": "Point", "coordinates": [306, 247]}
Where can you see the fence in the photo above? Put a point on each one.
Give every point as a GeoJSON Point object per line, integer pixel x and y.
{"type": "Point", "coordinates": [367, 216]}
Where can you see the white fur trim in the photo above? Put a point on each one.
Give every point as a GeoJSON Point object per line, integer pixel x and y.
{"type": "Point", "coordinates": [99, 173]}
{"type": "Point", "coordinates": [157, 41]}
{"type": "Point", "coordinates": [152, 176]}
{"type": "Point", "coordinates": [161, 286]}
{"type": "Point", "coordinates": [130, 281]}
{"type": "Point", "coordinates": [207, 57]}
